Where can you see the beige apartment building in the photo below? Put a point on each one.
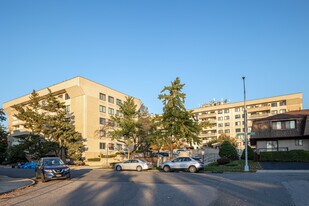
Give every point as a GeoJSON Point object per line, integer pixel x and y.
{"type": "Point", "coordinates": [228, 118]}
{"type": "Point", "coordinates": [92, 105]}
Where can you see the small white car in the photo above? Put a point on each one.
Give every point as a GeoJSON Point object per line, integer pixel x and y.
{"type": "Point", "coordinates": [183, 163]}
{"type": "Point", "coordinates": [136, 164]}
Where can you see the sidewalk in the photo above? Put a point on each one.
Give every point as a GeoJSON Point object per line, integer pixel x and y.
{"type": "Point", "coordinates": [8, 184]}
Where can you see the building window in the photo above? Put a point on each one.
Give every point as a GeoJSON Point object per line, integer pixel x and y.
{"type": "Point", "coordinates": [110, 99]}
{"type": "Point", "coordinates": [102, 145]}
{"type": "Point", "coordinates": [43, 103]}
{"type": "Point", "coordinates": [102, 120]}
{"type": "Point", "coordinates": [273, 112]}
{"type": "Point", "coordinates": [111, 111]}
{"type": "Point", "coordinates": [290, 125]}
{"type": "Point", "coordinates": [60, 96]}
{"type": "Point", "coordinates": [220, 112]}
{"type": "Point", "coordinates": [274, 104]}
{"type": "Point", "coordinates": [119, 147]}
{"type": "Point", "coordinates": [271, 146]}
{"type": "Point", "coordinates": [237, 109]}
{"type": "Point", "coordinates": [237, 123]}
{"type": "Point", "coordinates": [111, 123]}
{"type": "Point", "coordinates": [117, 113]}
{"type": "Point", "coordinates": [238, 130]}
{"type": "Point", "coordinates": [227, 124]}
{"type": "Point", "coordinates": [67, 109]}
{"type": "Point", "coordinates": [118, 102]}
{"type": "Point", "coordinates": [102, 108]}
{"type": "Point", "coordinates": [111, 146]}
{"type": "Point", "coordinates": [283, 125]}
{"type": "Point", "coordinates": [237, 116]}
{"type": "Point", "coordinates": [67, 96]}
{"type": "Point", "coordinates": [102, 96]}
{"type": "Point", "coordinates": [298, 142]}
{"type": "Point", "coordinates": [226, 117]}
{"type": "Point", "coordinates": [282, 111]}
{"type": "Point", "coordinates": [220, 131]}
{"type": "Point", "coordinates": [220, 125]}
{"type": "Point", "coordinates": [226, 111]}
{"type": "Point", "coordinates": [227, 131]}
{"type": "Point", "coordinates": [102, 133]}
{"type": "Point", "coordinates": [283, 103]}
{"type": "Point", "coordinates": [220, 118]}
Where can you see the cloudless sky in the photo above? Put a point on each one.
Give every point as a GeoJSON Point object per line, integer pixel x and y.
{"type": "Point", "coordinates": [138, 47]}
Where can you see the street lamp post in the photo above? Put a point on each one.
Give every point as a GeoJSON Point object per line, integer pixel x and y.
{"type": "Point", "coordinates": [246, 169]}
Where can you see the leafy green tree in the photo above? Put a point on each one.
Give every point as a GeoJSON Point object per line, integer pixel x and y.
{"type": "Point", "coordinates": [227, 150]}
{"type": "Point", "coordinates": [3, 137]}
{"type": "Point", "coordinates": [221, 139]}
{"type": "Point", "coordinates": [176, 122]}
{"type": "Point", "coordinates": [134, 127]}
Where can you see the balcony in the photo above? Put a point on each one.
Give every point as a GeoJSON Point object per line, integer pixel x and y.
{"type": "Point", "coordinates": [257, 109]}
{"type": "Point", "coordinates": [208, 135]}
{"type": "Point", "coordinates": [258, 116]}
{"type": "Point", "coordinates": [212, 121]}
{"type": "Point", "coordinates": [207, 115]}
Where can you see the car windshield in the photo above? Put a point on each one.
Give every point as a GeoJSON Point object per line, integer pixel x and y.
{"type": "Point", "coordinates": [51, 162]}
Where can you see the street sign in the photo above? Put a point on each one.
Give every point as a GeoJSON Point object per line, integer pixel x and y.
{"type": "Point", "coordinates": [242, 134]}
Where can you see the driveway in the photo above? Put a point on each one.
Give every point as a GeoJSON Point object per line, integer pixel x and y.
{"type": "Point", "coordinates": [285, 165]}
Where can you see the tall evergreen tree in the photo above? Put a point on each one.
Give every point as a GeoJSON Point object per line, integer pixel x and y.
{"type": "Point", "coordinates": [52, 121]}
{"type": "Point", "coordinates": [177, 123]}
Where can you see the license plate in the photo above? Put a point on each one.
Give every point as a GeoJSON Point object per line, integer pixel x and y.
{"type": "Point", "coordinates": [58, 175]}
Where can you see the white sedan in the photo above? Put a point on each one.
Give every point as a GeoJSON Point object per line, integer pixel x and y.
{"type": "Point", "coordinates": [135, 164]}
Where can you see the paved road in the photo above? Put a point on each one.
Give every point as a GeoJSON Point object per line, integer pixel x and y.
{"type": "Point", "coordinates": [99, 187]}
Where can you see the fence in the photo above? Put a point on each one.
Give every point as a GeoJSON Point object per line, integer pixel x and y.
{"type": "Point", "coordinates": [207, 154]}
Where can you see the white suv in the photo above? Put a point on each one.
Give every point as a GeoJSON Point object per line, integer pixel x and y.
{"type": "Point", "coordinates": [183, 163]}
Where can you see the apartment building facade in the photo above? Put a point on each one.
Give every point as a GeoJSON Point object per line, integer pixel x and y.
{"type": "Point", "coordinates": [228, 118]}
{"type": "Point", "coordinates": [92, 105]}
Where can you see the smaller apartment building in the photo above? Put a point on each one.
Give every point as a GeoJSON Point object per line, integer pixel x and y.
{"type": "Point", "coordinates": [282, 132]}
{"type": "Point", "coordinates": [228, 118]}
{"type": "Point", "coordinates": [92, 105]}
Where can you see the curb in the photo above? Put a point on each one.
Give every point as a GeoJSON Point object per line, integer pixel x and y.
{"type": "Point", "coordinates": [282, 171]}
{"type": "Point", "coordinates": [19, 188]}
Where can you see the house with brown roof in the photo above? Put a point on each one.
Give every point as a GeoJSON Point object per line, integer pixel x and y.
{"type": "Point", "coordinates": [282, 132]}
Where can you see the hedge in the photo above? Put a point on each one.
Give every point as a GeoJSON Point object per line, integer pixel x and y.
{"type": "Point", "coordinates": [285, 156]}
{"type": "Point", "coordinates": [108, 156]}
{"type": "Point", "coordinates": [250, 154]}
{"type": "Point", "coordinates": [97, 159]}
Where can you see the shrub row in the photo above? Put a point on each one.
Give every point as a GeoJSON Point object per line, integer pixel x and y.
{"type": "Point", "coordinates": [285, 156]}
{"type": "Point", "coordinates": [96, 159]}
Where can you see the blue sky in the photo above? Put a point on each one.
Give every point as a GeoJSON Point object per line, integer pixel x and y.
{"type": "Point", "coordinates": [137, 47]}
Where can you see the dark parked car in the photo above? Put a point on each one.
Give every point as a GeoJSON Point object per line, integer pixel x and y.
{"type": "Point", "coordinates": [49, 168]}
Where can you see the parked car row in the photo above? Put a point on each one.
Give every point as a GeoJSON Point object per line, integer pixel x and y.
{"type": "Point", "coordinates": [190, 164]}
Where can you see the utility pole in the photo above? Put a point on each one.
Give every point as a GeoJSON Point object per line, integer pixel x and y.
{"type": "Point", "coordinates": [246, 169]}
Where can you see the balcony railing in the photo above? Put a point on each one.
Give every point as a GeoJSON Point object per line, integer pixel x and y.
{"type": "Point", "coordinates": [256, 109]}
{"type": "Point", "coordinates": [207, 115]}
{"type": "Point", "coordinates": [256, 116]}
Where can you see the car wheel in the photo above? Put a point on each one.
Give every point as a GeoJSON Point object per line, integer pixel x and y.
{"type": "Point", "coordinates": [118, 168]}
{"type": "Point", "coordinates": [139, 168]}
{"type": "Point", "coordinates": [192, 169]}
{"type": "Point", "coordinates": [166, 168]}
